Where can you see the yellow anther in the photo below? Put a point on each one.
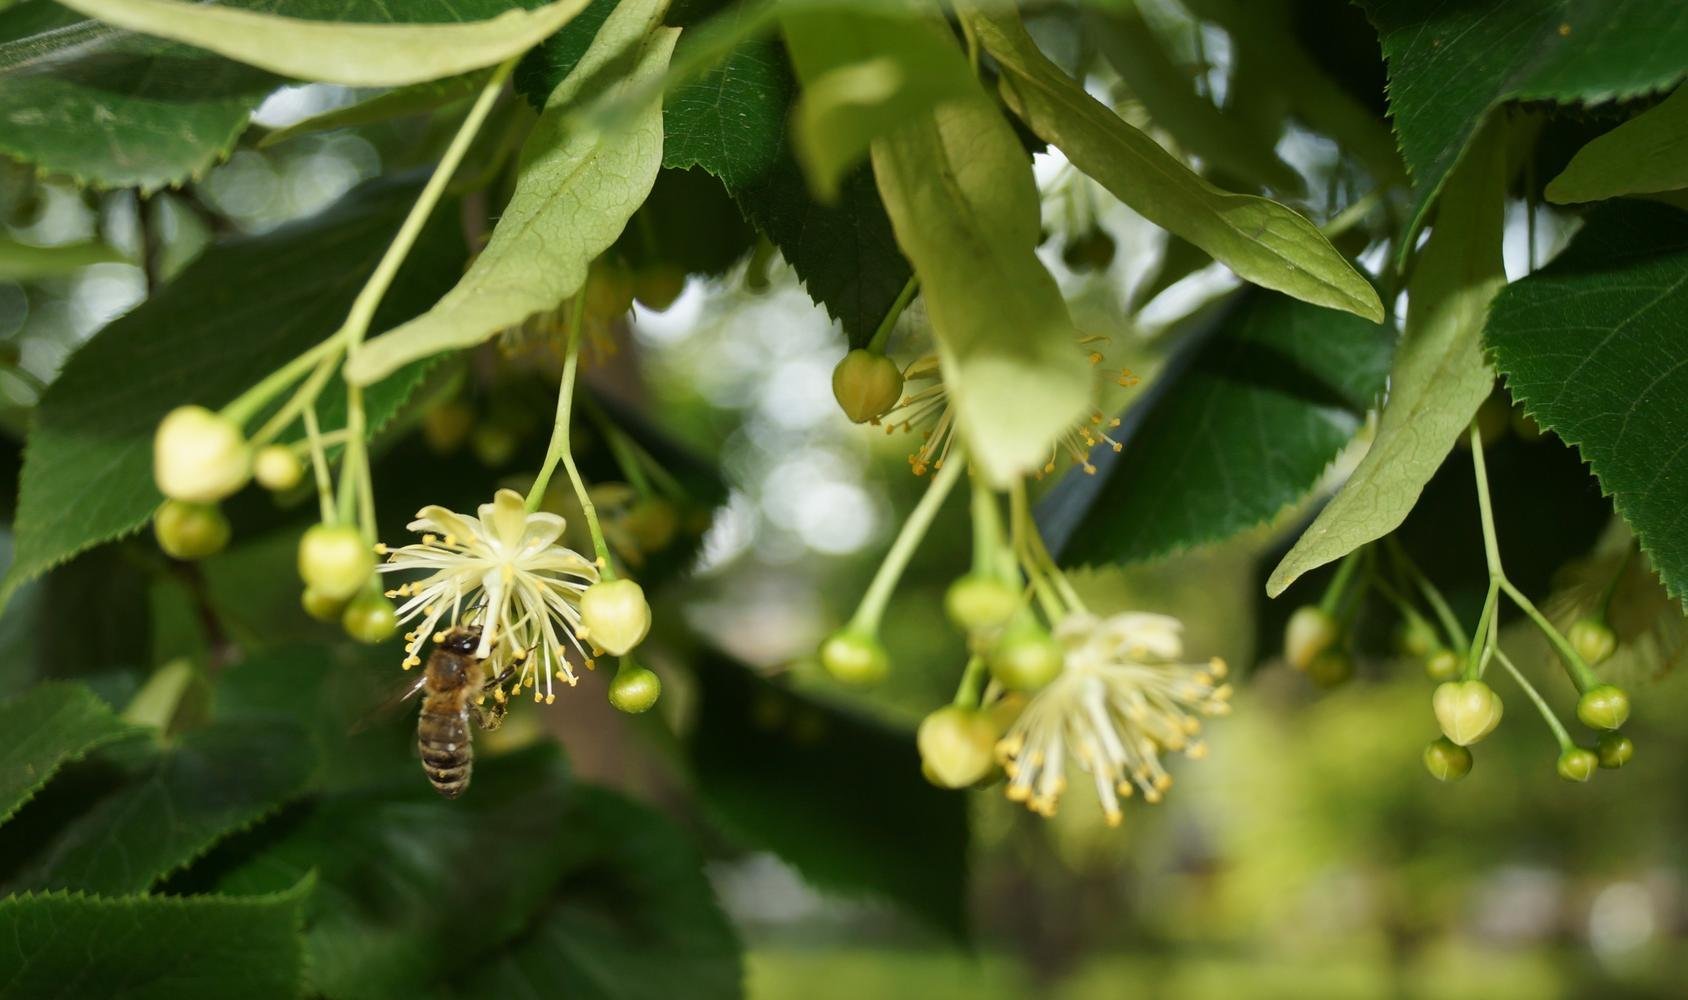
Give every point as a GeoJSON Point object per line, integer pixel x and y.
{"type": "Point", "coordinates": [550, 698]}
{"type": "Point", "coordinates": [380, 548]}
{"type": "Point", "coordinates": [430, 539]}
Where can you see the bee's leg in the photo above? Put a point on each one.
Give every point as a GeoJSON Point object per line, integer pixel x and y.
{"type": "Point", "coordinates": [489, 715]}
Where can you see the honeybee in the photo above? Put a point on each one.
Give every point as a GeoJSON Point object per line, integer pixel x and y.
{"type": "Point", "coordinates": [452, 684]}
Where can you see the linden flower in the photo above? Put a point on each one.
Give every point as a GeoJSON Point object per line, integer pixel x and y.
{"type": "Point", "coordinates": [503, 571]}
{"type": "Point", "coordinates": [1117, 705]}
{"type": "Point", "coordinates": [928, 410]}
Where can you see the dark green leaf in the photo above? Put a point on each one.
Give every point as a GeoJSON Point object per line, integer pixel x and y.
{"type": "Point", "coordinates": [541, 70]}
{"type": "Point", "coordinates": [170, 805]}
{"type": "Point", "coordinates": [45, 728]}
{"type": "Point", "coordinates": [1593, 348]}
{"type": "Point", "coordinates": [71, 946]}
{"type": "Point", "coordinates": [413, 886]}
{"type": "Point", "coordinates": [116, 109]}
{"type": "Point", "coordinates": [839, 797]}
{"type": "Point", "coordinates": [633, 888]}
{"type": "Point", "coordinates": [1450, 64]}
{"type": "Point", "coordinates": [224, 323]}
{"type": "Point", "coordinates": [1238, 428]}
{"type": "Point", "coordinates": [731, 120]}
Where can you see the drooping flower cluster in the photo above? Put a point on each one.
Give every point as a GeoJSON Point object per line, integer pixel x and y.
{"type": "Point", "coordinates": [505, 571]}
{"type": "Point", "coordinates": [1119, 703]}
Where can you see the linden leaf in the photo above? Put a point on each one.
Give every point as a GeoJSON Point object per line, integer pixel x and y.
{"type": "Point", "coordinates": [958, 186]}
{"type": "Point", "coordinates": [574, 194]}
{"type": "Point", "coordinates": [1645, 155]}
{"type": "Point", "coordinates": [1593, 347]}
{"type": "Point", "coordinates": [1261, 240]}
{"type": "Point", "coordinates": [47, 727]}
{"type": "Point", "coordinates": [359, 55]}
{"type": "Point", "coordinates": [1439, 378]}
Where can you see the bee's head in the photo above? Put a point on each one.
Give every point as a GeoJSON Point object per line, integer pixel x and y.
{"type": "Point", "coordinates": [462, 641]}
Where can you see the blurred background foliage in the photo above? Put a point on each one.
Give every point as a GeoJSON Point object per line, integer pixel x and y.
{"type": "Point", "coordinates": [1309, 855]}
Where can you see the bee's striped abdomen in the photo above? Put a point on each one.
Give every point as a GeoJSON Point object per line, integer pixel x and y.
{"type": "Point", "coordinates": [442, 735]}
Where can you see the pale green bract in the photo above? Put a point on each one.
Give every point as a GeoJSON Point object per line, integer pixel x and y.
{"type": "Point", "coordinates": [574, 194]}
{"type": "Point", "coordinates": [1645, 155]}
{"type": "Point", "coordinates": [1440, 377]}
{"type": "Point", "coordinates": [357, 55]}
{"type": "Point", "coordinates": [1263, 241]}
{"type": "Point", "coordinates": [959, 189]}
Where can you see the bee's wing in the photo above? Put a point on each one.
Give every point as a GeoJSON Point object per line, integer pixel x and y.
{"type": "Point", "coordinates": [390, 704]}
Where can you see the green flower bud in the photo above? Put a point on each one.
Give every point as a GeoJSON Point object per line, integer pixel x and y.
{"type": "Point", "coordinates": [1442, 665]}
{"type": "Point", "coordinates": [1446, 760]}
{"type": "Point", "coordinates": [635, 690]}
{"type": "Point", "coordinates": [190, 530]}
{"type": "Point", "coordinates": [1331, 668]}
{"type": "Point", "coordinates": [1593, 640]}
{"type": "Point", "coordinates": [334, 561]}
{"type": "Point", "coordinates": [1603, 707]}
{"type": "Point", "coordinates": [1026, 658]}
{"type": "Point", "coordinates": [1577, 764]}
{"type": "Point", "coordinates": [276, 468]}
{"type": "Point", "coordinates": [614, 615]}
{"type": "Point", "coordinates": [447, 426]}
{"type": "Point", "coordinates": [855, 658]}
{"type": "Point", "coordinates": [866, 385]}
{"type": "Point", "coordinates": [1416, 638]}
{"type": "Point", "coordinates": [370, 618]}
{"type": "Point", "coordinates": [956, 746]}
{"type": "Point", "coordinates": [980, 603]}
{"type": "Point", "coordinates": [1311, 631]}
{"type": "Point", "coordinates": [320, 607]}
{"type": "Point", "coordinates": [1614, 750]}
{"type": "Point", "coordinates": [199, 456]}
{"type": "Point", "coordinates": [1467, 711]}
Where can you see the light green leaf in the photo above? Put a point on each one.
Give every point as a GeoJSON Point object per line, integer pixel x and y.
{"type": "Point", "coordinates": [396, 103]}
{"type": "Point", "coordinates": [22, 262]}
{"type": "Point", "coordinates": [1261, 240]}
{"type": "Point", "coordinates": [863, 75]}
{"type": "Point", "coordinates": [575, 192]}
{"type": "Point", "coordinates": [1439, 378]}
{"type": "Point", "coordinates": [221, 325]}
{"type": "Point", "coordinates": [358, 55]}
{"type": "Point", "coordinates": [47, 727]}
{"type": "Point", "coordinates": [958, 186]}
{"type": "Point", "coordinates": [1593, 346]}
{"type": "Point", "coordinates": [67, 946]}
{"type": "Point", "coordinates": [1645, 155]}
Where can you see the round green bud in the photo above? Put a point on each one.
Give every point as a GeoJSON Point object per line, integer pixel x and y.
{"type": "Point", "coordinates": [1593, 640]}
{"type": "Point", "coordinates": [1416, 638]}
{"type": "Point", "coordinates": [1446, 760]}
{"type": "Point", "coordinates": [653, 523]}
{"type": "Point", "coordinates": [635, 690]}
{"type": "Point", "coordinates": [276, 468]}
{"type": "Point", "coordinates": [657, 288]}
{"type": "Point", "coordinates": [334, 561]}
{"type": "Point", "coordinates": [1025, 659]}
{"type": "Point", "coordinates": [320, 607]}
{"type": "Point", "coordinates": [1614, 750]}
{"type": "Point", "coordinates": [199, 456]}
{"type": "Point", "coordinates": [1442, 665]}
{"type": "Point", "coordinates": [956, 746]}
{"type": "Point", "coordinates": [1311, 631]}
{"type": "Point", "coordinates": [1603, 707]}
{"type": "Point", "coordinates": [1331, 668]}
{"type": "Point", "coordinates": [980, 603]}
{"type": "Point", "coordinates": [370, 617]}
{"type": "Point", "coordinates": [854, 657]}
{"type": "Point", "coordinates": [1577, 764]}
{"type": "Point", "coordinates": [190, 530]}
{"type": "Point", "coordinates": [614, 615]}
{"type": "Point", "coordinates": [446, 426]}
{"type": "Point", "coordinates": [1467, 711]}
{"type": "Point", "coordinates": [866, 385]}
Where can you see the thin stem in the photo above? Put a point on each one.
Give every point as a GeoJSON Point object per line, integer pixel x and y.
{"type": "Point", "coordinates": [1581, 674]}
{"type": "Point", "coordinates": [304, 397]}
{"type": "Point", "coordinates": [1039, 563]}
{"type": "Point", "coordinates": [972, 685]}
{"type": "Point", "coordinates": [987, 528]}
{"type": "Point", "coordinates": [629, 462]}
{"type": "Point", "coordinates": [363, 308]}
{"type": "Point", "coordinates": [248, 403]}
{"type": "Point", "coordinates": [889, 323]}
{"type": "Point", "coordinates": [319, 463]}
{"type": "Point", "coordinates": [1546, 711]}
{"type": "Point", "coordinates": [1485, 624]}
{"type": "Point", "coordinates": [1339, 583]}
{"type": "Point", "coordinates": [902, 549]}
{"type": "Point", "coordinates": [1491, 546]}
{"type": "Point", "coordinates": [1432, 596]}
{"type": "Point", "coordinates": [565, 404]}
